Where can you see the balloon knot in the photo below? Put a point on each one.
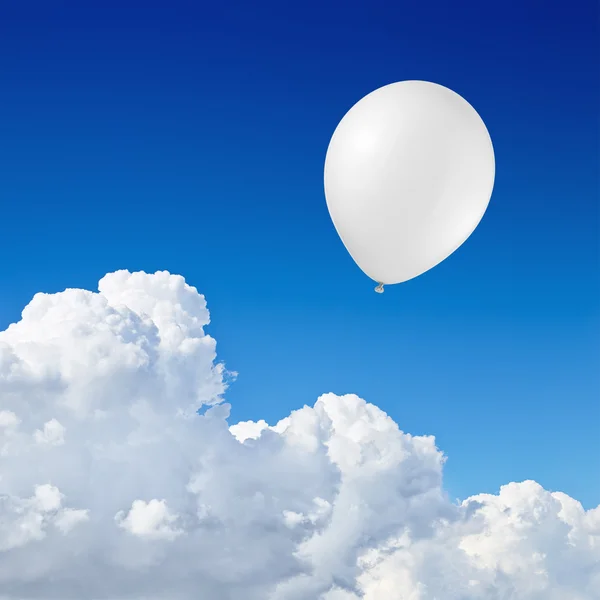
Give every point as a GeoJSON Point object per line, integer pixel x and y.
{"type": "Point", "coordinates": [379, 289]}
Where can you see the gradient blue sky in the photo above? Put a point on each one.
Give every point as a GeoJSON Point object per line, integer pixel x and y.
{"type": "Point", "coordinates": [191, 136]}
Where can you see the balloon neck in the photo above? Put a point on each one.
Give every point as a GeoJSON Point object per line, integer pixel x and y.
{"type": "Point", "coordinates": [379, 289]}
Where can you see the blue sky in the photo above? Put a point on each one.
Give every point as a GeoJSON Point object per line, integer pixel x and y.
{"type": "Point", "coordinates": [191, 137]}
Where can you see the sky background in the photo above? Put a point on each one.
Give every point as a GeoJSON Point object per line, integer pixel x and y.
{"type": "Point", "coordinates": [191, 137]}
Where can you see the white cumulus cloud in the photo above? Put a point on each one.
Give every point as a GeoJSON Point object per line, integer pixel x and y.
{"type": "Point", "coordinates": [150, 520]}
{"type": "Point", "coordinates": [24, 520]}
{"type": "Point", "coordinates": [53, 433]}
{"type": "Point", "coordinates": [112, 487]}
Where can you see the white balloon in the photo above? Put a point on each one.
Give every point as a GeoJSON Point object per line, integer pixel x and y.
{"type": "Point", "coordinates": [409, 174]}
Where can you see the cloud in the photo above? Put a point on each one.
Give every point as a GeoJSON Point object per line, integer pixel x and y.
{"type": "Point", "coordinates": [26, 520]}
{"type": "Point", "coordinates": [112, 487]}
{"type": "Point", "coordinates": [53, 433]}
{"type": "Point", "coordinates": [151, 520]}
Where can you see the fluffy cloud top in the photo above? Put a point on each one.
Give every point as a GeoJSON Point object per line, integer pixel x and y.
{"type": "Point", "coordinates": [112, 487]}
